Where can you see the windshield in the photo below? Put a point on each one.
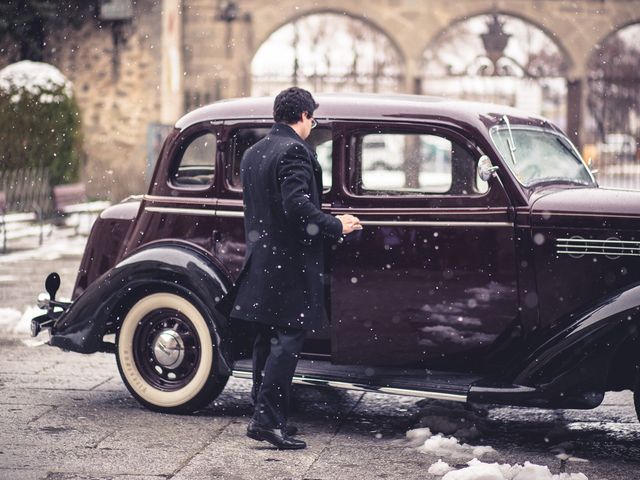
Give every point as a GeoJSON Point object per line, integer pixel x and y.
{"type": "Point", "coordinates": [540, 156]}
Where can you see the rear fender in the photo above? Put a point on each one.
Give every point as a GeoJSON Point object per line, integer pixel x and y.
{"type": "Point", "coordinates": [175, 267]}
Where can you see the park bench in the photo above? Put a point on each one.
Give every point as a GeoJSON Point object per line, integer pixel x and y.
{"type": "Point", "coordinates": [8, 220]}
{"type": "Point", "coordinates": [71, 198]}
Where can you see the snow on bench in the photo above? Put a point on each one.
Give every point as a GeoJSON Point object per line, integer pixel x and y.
{"type": "Point", "coordinates": [12, 226]}
{"type": "Point", "coordinates": [72, 199]}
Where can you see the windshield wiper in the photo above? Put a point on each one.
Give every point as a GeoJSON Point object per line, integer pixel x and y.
{"type": "Point", "coordinates": [511, 144]}
{"type": "Point", "coordinates": [573, 181]}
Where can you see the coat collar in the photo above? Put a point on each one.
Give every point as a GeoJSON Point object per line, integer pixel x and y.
{"type": "Point", "coordinates": [286, 131]}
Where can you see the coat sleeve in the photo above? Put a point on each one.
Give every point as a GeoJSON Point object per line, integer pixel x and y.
{"type": "Point", "coordinates": [295, 175]}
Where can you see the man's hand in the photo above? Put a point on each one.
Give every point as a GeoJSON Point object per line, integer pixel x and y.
{"type": "Point", "coordinates": [349, 223]}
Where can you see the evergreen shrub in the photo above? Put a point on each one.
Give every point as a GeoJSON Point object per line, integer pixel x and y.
{"type": "Point", "coordinates": [39, 121]}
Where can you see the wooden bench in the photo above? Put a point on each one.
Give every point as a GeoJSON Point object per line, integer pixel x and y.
{"type": "Point", "coordinates": [9, 219]}
{"type": "Point", "coordinates": [72, 198]}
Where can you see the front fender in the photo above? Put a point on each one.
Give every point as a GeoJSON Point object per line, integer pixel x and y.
{"type": "Point", "coordinates": [174, 267]}
{"type": "Point", "coordinates": [578, 356]}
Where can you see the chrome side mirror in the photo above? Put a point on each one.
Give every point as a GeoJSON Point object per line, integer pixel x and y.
{"type": "Point", "coordinates": [486, 169]}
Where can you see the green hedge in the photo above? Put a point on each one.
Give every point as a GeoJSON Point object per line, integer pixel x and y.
{"type": "Point", "coordinates": [40, 130]}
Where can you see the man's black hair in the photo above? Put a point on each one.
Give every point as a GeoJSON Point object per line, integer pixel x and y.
{"type": "Point", "coordinates": [290, 104]}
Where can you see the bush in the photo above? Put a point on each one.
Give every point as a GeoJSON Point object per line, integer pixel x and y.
{"type": "Point", "coordinates": [39, 121]}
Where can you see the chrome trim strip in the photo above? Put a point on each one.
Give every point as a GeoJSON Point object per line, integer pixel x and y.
{"type": "Point", "coordinates": [373, 223]}
{"type": "Point", "coordinates": [609, 254]}
{"type": "Point", "coordinates": [418, 223]}
{"type": "Point", "coordinates": [230, 213]}
{"type": "Point", "coordinates": [586, 240]}
{"type": "Point", "coordinates": [301, 379]}
{"type": "Point", "coordinates": [612, 248]}
{"type": "Point", "coordinates": [186, 211]}
{"type": "Point", "coordinates": [604, 247]}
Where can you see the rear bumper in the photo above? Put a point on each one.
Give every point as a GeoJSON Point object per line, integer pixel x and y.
{"type": "Point", "coordinates": [55, 311]}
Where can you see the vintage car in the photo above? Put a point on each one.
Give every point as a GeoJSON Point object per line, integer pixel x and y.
{"type": "Point", "coordinates": [491, 267]}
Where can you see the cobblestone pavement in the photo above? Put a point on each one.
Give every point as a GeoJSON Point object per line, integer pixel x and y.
{"type": "Point", "coordinates": [66, 415]}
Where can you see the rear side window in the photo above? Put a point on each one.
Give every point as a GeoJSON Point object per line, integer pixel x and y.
{"type": "Point", "coordinates": [320, 141]}
{"type": "Point", "coordinates": [240, 140]}
{"type": "Point", "coordinates": [197, 162]}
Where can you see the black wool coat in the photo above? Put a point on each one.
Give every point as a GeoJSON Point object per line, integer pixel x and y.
{"type": "Point", "coordinates": [282, 280]}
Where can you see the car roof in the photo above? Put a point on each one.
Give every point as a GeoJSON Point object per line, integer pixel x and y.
{"type": "Point", "coordinates": [362, 106]}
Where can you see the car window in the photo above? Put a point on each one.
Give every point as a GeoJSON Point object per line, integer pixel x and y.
{"type": "Point", "coordinates": [540, 156]}
{"type": "Point", "coordinates": [239, 141]}
{"type": "Point", "coordinates": [320, 140]}
{"type": "Point", "coordinates": [410, 163]}
{"type": "Point", "coordinates": [197, 163]}
{"type": "Point", "coordinates": [242, 138]}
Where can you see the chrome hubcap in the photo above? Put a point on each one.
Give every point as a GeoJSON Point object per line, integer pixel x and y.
{"type": "Point", "coordinates": [168, 348]}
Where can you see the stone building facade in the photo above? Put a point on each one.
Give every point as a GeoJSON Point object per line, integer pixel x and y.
{"type": "Point", "coordinates": [174, 55]}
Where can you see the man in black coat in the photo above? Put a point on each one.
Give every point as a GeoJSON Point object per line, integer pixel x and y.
{"type": "Point", "coordinates": [281, 286]}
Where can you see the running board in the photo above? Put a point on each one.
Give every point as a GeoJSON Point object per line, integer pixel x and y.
{"type": "Point", "coordinates": [397, 381]}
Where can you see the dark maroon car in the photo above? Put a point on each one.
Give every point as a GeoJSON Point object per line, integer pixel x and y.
{"type": "Point", "coordinates": [491, 267]}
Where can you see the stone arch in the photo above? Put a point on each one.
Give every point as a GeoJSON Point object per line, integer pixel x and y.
{"type": "Point", "coordinates": [614, 31]}
{"type": "Point", "coordinates": [321, 10]}
{"type": "Point", "coordinates": [527, 67]}
{"type": "Point", "coordinates": [508, 13]}
{"type": "Point", "coordinates": [370, 70]}
{"type": "Point", "coordinates": [613, 84]}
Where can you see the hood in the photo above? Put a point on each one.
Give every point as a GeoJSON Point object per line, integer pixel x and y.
{"type": "Point", "coordinates": [587, 208]}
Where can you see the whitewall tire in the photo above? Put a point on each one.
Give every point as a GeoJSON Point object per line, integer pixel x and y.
{"type": "Point", "coordinates": [165, 354]}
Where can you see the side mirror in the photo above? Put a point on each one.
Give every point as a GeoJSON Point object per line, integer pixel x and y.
{"type": "Point", "coordinates": [485, 168]}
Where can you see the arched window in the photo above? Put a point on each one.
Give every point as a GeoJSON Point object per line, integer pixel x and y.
{"type": "Point", "coordinates": [327, 52]}
{"type": "Point", "coordinates": [614, 85]}
{"type": "Point", "coordinates": [613, 104]}
{"type": "Point", "coordinates": [498, 58]}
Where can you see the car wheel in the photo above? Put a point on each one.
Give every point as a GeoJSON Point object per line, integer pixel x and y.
{"type": "Point", "coordinates": [165, 354]}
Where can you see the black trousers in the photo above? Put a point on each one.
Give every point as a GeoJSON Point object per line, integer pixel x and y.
{"type": "Point", "coordinates": [275, 356]}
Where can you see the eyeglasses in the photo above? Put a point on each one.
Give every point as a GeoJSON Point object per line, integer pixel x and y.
{"type": "Point", "coordinates": [314, 124]}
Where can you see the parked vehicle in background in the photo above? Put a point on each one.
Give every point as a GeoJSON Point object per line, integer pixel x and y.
{"type": "Point", "coordinates": [620, 146]}
{"type": "Point", "coordinates": [491, 267]}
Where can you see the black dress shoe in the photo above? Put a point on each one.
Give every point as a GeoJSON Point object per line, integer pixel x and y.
{"type": "Point", "coordinates": [275, 437]}
{"type": "Point", "coordinates": [290, 430]}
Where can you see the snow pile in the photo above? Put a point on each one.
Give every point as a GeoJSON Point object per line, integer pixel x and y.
{"type": "Point", "coordinates": [452, 448]}
{"type": "Point", "coordinates": [39, 80]}
{"type": "Point", "coordinates": [440, 428]}
{"type": "Point", "coordinates": [478, 470]}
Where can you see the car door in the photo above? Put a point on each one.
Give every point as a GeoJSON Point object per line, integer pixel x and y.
{"type": "Point", "coordinates": [230, 245]}
{"type": "Point", "coordinates": [431, 279]}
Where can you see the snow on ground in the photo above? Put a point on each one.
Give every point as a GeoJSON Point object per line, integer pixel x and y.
{"type": "Point", "coordinates": [57, 247]}
{"type": "Point", "coordinates": [439, 431]}
{"type": "Point", "coordinates": [17, 322]}
{"type": "Point", "coordinates": [58, 241]}
{"type": "Point", "coordinates": [9, 317]}
{"type": "Point", "coordinates": [478, 470]}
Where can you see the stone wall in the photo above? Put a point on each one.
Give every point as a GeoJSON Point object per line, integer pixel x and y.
{"type": "Point", "coordinates": [118, 97]}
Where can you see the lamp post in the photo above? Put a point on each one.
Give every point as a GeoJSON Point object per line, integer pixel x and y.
{"type": "Point", "coordinates": [117, 14]}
